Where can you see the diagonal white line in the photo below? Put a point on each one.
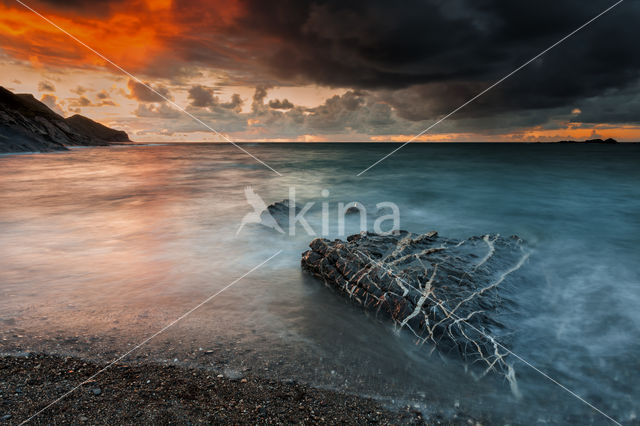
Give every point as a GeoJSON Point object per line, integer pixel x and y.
{"type": "Point", "coordinates": [492, 86]}
{"type": "Point", "coordinates": [223, 136]}
{"type": "Point", "coordinates": [145, 341]}
{"type": "Point", "coordinates": [493, 339]}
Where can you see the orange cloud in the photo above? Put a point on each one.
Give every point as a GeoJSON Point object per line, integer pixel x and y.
{"type": "Point", "coordinates": [625, 133]}
{"type": "Point", "coordinates": [132, 36]}
{"type": "Point", "coordinates": [619, 132]}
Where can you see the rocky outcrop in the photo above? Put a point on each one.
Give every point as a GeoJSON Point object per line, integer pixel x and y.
{"type": "Point", "coordinates": [445, 292]}
{"type": "Point", "coordinates": [277, 215]}
{"type": "Point", "coordinates": [94, 130]}
{"type": "Point", "coordinates": [28, 125]}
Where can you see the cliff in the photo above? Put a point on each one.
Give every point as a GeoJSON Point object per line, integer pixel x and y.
{"type": "Point", "coordinates": [28, 125]}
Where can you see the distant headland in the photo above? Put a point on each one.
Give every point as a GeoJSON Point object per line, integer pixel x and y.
{"type": "Point", "coordinates": [28, 125]}
{"type": "Point", "coordinates": [609, 141]}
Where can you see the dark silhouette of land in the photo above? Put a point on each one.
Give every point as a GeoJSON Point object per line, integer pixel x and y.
{"type": "Point", "coordinates": [609, 141]}
{"type": "Point", "coordinates": [28, 125]}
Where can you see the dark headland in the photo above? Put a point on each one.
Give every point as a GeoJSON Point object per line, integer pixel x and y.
{"type": "Point", "coordinates": [28, 125]}
{"type": "Point", "coordinates": [609, 141]}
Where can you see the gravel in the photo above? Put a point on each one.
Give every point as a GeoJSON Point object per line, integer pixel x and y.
{"type": "Point", "coordinates": [159, 394]}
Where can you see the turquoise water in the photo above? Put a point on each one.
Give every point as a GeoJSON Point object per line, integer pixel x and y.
{"type": "Point", "coordinates": [101, 247]}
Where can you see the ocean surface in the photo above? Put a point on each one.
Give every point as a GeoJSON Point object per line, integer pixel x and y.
{"type": "Point", "coordinates": [102, 247]}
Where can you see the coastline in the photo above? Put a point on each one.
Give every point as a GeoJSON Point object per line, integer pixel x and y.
{"type": "Point", "coordinates": [152, 393]}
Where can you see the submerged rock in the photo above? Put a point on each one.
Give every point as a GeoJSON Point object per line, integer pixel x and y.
{"type": "Point", "coordinates": [446, 292]}
{"type": "Point", "coordinates": [353, 209]}
{"type": "Point", "coordinates": [277, 215]}
{"type": "Point", "coordinates": [280, 209]}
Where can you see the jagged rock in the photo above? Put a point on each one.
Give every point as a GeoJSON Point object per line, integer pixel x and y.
{"type": "Point", "coordinates": [280, 209]}
{"type": "Point", "coordinates": [27, 124]}
{"type": "Point", "coordinates": [276, 215]}
{"type": "Point", "coordinates": [446, 292]}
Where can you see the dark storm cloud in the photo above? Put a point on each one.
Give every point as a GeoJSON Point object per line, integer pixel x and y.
{"type": "Point", "coordinates": [450, 51]}
{"type": "Point", "coordinates": [79, 7]}
{"type": "Point", "coordinates": [421, 58]}
{"type": "Point", "coordinates": [619, 106]}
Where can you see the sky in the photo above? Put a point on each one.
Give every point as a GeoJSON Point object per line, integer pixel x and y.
{"type": "Point", "coordinates": [363, 70]}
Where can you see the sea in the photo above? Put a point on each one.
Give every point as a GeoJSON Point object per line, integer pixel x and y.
{"type": "Point", "coordinates": [101, 248]}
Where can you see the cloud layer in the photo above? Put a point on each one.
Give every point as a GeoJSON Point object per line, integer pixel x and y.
{"type": "Point", "coordinates": [400, 66]}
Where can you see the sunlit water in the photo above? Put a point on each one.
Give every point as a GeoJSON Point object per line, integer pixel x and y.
{"type": "Point", "coordinates": [102, 247]}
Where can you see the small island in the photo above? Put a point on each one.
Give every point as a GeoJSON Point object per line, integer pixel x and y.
{"type": "Point", "coordinates": [609, 141]}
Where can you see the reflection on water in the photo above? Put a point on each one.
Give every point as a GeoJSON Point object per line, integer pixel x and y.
{"type": "Point", "coordinates": [100, 248]}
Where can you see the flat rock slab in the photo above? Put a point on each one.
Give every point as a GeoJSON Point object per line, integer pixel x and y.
{"type": "Point", "coordinates": [446, 292]}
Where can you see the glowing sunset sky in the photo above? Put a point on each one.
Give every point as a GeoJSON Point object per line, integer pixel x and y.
{"type": "Point", "coordinates": [331, 70]}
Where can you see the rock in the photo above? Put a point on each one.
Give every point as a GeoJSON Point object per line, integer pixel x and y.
{"type": "Point", "coordinates": [232, 374]}
{"type": "Point", "coordinates": [277, 215]}
{"type": "Point", "coordinates": [96, 391]}
{"type": "Point", "coordinates": [353, 209]}
{"type": "Point", "coordinates": [7, 417]}
{"type": "Point", "coordinates": [28, 125]}
{"type": "Point", "coordinates": [443, 291]}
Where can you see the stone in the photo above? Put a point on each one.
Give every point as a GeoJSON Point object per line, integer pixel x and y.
{"type": "Point", "coordinates": [444, 292]}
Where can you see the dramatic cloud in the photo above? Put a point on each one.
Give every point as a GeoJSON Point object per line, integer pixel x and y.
{"type": "Point", "coordinates": [142, 93]}
{"type": "Point", "coordinates": [280, 104]}
{"type": "Point", "coordinates": [82, 101]}
{"type": "Point", "coordinates": [46, 86]}
{"type": "Point", "coordinates": [201, 96]}
{"type": "Point", "coordinates": [157, 111]}
{"type": "Point", "coordinates": [353, 112]}
{"type": "Point", "coordinates": [398, 67]}
{"type": "Point", "coordinates": [234, 104]}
